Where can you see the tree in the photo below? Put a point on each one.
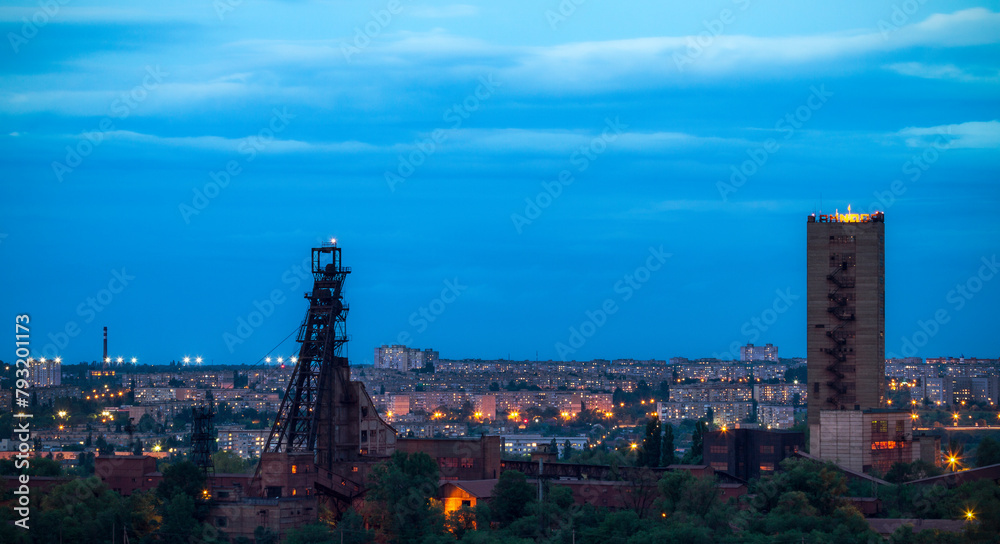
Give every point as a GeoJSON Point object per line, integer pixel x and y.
{"type": "Point", "coordinates": [227, 462]}
{"type": "Point", "coordinates": [263, 535]}
{"type": "Point", "coordinates": [710, 415]}
{"type": "Point", "coordinates": [694, 455]}
{"type": "Point", "coordinates": [988, 452]}
{"type": "Point", "coordinates": [400, 498]}
{"type": "Point", "coordinates": [179, 522]}
{"type": "Point", "coordinates": [146, 423]}
{"type": "Point", "coordinates": [567, 450]}
{"type": "Point", "coordinates": [512, 497]}
{"type": "Point", "coordinates": [314, 533]}
{"type": "Point", "coordinates": [650, 454]}
{"type": "Point", "coordinates": [184, 477]}
{"type": "Point", "coordinates": [104, 447]}
{"type": "Point", "coordinates": [667, 456]}
{"type": "Point", "coordinates": [351, 529]}
{"type": "Point", "coordinates": [494, 386]}
{"type": "Point", "coordinates": [137, 447]}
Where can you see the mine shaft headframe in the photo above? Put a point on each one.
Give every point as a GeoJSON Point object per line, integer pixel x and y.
{"type": "Point", "coordinates": [324, 332]}
{"type": "Point", "coordinates": [326, 264]}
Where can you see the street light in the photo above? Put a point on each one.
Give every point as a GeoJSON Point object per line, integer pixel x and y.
{"type": "Point", "coordinates": [970, 515]}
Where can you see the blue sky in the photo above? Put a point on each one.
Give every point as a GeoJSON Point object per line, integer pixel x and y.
{"type": "Point", "coordinates": [513, 169]}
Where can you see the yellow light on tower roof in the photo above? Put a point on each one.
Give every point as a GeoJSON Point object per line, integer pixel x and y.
{"type": "Point", "coordinates": [41, 360]}
{"type": "Point", "coordinates": [58, 359]}
{"type": "Point", "coordinates": [293, 359]}
{"type": "Point", "coordinates": [134, 360]}
{"type": "Point", "coordinates": [333, 240]}
{"type": "Point", "coordinates": [197, 360]}
{"type": "Point", "coordinates": [281, 359]}
{"type": "Point", "coordinates": [121, 359]}
{"type": "Point", "coordinates": [187, 359]}
{"type": "Point", "coordinates": [267, 359]}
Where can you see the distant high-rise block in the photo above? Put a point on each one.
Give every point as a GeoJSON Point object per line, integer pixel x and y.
{"type": "Point", "coordinates": [750, 353]}
{"type": "Point", "coordinates": [402, 358]}
{"type": "Point", "coordinates": [45, 372]}
{"type": "Point", "coordinates": [846, 312]}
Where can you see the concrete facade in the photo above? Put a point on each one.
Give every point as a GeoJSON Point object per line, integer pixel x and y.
{"type": "Point", "coordinates": [862, 440]}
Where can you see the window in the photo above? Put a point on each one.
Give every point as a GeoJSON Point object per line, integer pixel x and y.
{"type": "Point", "coordinates": [718, 449]}
{"type": "Point", "coordinates": [722, 467]}
{"type": "Point", "coordinates": [815, 387]}
{"type": "Point", "coordinates": [295, 469]}
{"type": "Point", "coordinates": [467, 503]}
{"type": "Point", "coordinates": [767, 449]}
{"type": "Point", "coordinates": [767, 467]}
{"type": "Point", "coordinates": [899, 426]}
{"type": "Point", "coordinates": [449, 462]}
{"type": "Point", "coordinates": [364, 436]}
{"type": "Point", "coordinates": [467, 462]}
{"type": "Point", "coordinates": [222, 494]}
{"type": "Point", "coordinates": [221, 521]}
{"type": "Point", "coordinates": [880, 426]}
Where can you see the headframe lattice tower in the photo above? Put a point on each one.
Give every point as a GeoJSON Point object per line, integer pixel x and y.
{"type": "Point", "coordinates": [307, 420]}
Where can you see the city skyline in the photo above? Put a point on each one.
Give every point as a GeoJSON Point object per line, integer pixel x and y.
{"type": "Point", "coordinates": [519, 162]}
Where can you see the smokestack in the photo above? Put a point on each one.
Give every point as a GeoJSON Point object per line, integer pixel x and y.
{"type": "Point", "coordinates": [105, 358]}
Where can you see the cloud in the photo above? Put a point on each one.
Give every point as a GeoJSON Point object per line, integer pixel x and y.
{"type": "Point", "coordinates": [938, 71]}
{"type": "Point", "coordinates": [971, 135]}
{"type": "Point", "coordinates": [219, 143]}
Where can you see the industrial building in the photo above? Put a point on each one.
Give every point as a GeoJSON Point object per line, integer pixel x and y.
{"type": "Point", "coordinates": [845, 314]}
{"type": "Point", "coordinates": [749, 453]}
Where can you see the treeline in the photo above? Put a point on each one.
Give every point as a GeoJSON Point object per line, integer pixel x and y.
{"type": "Point", "coordinates": [806, 502]}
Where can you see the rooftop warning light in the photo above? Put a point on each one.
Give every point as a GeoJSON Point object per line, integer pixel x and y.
{"type": "Point", "coordinates": [849, 217]}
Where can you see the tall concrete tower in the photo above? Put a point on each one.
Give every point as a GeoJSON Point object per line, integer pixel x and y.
{"type": "Point", "coordinates": [846, 313]}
